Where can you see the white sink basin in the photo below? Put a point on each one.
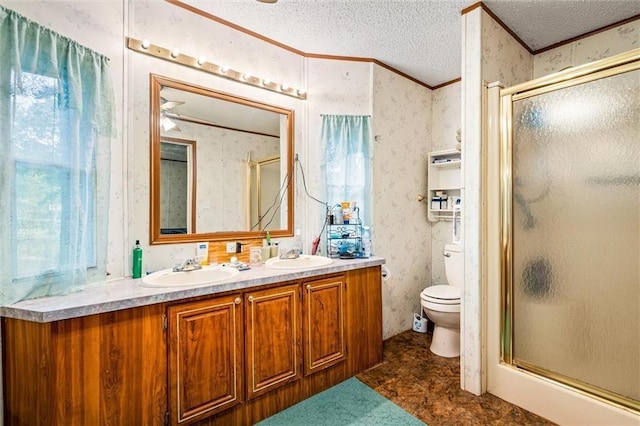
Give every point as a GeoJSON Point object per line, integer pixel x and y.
{"type": "Point", "coordinates": [168, 278]}
{"type": "Point", "coordinates": [303, 262]}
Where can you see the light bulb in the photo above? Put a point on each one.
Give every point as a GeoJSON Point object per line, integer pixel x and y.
{"type": "Point", "coordinates": [167, 124]}
{"type": "Point", "coordinates": [246, 76]}
{"type": "Point", "coordinates": [175, 52]}
{"type": "Point", "coordinates": [146, 43]}
{"type": "Point", "coordinates": [202, 60]}
{"type": "Point", "coordinates": [224, 69]}
{"type": "Point", "coordinates": [266, 82]}
{"type": "Point", "coordinates": [284, 87]}
{"type": "Point", "coordinates": [301, 92]}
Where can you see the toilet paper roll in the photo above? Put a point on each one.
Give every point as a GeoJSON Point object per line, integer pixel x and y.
{"type": "Point", "coordinates": [386, 273]}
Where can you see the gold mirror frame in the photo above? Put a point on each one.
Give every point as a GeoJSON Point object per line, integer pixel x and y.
{"type": "Point", "coordinates": [156, 83]}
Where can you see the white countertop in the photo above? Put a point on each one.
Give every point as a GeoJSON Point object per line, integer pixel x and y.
{"type": "Point", "coordinates": [128, 293]}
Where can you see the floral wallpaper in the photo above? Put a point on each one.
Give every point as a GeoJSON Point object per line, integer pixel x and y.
{"type": "Point", "coordinates": [598, 46]}
{"type": "Point", "coordinates": [489, 54]}
{"type": "Point", "coordinates": [503, 58]}
{"type": "Point", "coordinates": [445, 122]}
{"type": "Point", "coordinates": [402, 234]}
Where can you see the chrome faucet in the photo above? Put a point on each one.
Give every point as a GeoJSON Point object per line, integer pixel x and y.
{"type": "Point", "coordinates": [190, 264]}
{"type": "Point", "coordinates": [291, 254]}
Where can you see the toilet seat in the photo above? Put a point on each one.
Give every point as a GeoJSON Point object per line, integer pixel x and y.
{"type": "Point", "coordinates": [444, 294]}
{"type": "Point", "coordinates": [442, 298]}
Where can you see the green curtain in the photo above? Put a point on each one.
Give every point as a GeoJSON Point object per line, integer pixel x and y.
{"type": "Point", "coordinates": [346, 163]}
{"type": "Point", "coordinates": [57, 115]}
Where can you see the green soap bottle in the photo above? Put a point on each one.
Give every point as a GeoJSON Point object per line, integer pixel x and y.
{"type": "Point", "coordinates": [137, 260]}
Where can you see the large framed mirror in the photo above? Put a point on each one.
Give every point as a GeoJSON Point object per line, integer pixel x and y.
{"type": "Point", "coordinates": [221, 165]}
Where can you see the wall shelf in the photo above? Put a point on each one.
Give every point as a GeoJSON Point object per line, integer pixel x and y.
{"type": "Point", "coordinates": [443, 176]}
{"type": "Point", "coordinates": [452, 163]}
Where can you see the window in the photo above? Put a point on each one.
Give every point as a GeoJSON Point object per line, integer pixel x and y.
{"type": "Point", "coordinates": [346, 162]}
{"type": "Point", "coordinates": [42, 210]}
{"type": "Point", "coordinates": [56, 125]}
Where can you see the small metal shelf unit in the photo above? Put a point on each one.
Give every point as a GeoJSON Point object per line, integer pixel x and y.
{"type": "Point", "coordinates": [344, 240]}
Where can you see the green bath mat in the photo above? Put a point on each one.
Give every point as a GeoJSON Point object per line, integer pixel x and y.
{"type": "Point", "coordinates": [349, 403]}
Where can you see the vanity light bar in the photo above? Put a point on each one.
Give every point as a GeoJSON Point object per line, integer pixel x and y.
{"type": "Point", "coordinates": [173, 55]}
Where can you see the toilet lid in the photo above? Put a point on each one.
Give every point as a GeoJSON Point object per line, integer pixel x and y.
{"type": "Point", "coordinates": [442, 293]}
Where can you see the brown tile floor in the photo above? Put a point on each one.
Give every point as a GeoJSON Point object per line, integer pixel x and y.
{"type": "Point", "coordinates": [428, 387]}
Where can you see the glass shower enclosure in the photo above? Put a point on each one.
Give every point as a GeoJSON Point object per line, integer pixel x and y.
{"type": "Point", "coordinates": [570, 213]}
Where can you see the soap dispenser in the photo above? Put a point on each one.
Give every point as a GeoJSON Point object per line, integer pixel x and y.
{"type": "Point", "coordinates": [137, 261]}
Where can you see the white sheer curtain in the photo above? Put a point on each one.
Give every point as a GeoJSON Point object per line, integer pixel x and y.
{"type": "Point", "coordinates": [56, 124]}
{"type": "Point", "coordinates": [346, 163]}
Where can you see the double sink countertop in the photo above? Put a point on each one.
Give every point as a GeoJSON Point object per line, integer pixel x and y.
{"type": "Point", "coordinates": [129, 293]}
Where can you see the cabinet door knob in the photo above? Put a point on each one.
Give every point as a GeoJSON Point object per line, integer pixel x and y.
{"type": "Point", "coordinates": [308, 286]}
{"type": "Point", "coordinates": [250, 299]}
{"type": "Point", "coordinates": [237, 301]}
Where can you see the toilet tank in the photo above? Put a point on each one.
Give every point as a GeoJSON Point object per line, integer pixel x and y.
{"type": "Point", "coordinates": [453, 265]}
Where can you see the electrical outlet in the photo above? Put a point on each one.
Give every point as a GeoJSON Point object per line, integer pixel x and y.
{"type": "Point", "coordinates": [231, 247]}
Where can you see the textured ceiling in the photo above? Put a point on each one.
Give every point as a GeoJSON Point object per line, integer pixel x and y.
{"type": "Point", "coordinates": [421, 38]}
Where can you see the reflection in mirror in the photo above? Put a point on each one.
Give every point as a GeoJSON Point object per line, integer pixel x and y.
{"type": "Point", "coordinates": [178, 185]}
{"type": "Point", "coordinates": [215, 197]}
{"type": "Point", "coordinates": [264, 193]}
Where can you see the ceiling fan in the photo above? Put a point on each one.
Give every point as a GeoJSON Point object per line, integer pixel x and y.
{"type": "Point", "coordinates": [165, 122]}
{"type": "Point", "coordinates": [166, 104]}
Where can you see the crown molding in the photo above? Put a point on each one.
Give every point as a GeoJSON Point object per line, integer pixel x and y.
{"type": "Point", "coordinates": [289, 48]}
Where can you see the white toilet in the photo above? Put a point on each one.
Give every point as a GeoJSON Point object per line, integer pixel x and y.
{"type": "Point", "coordinates": [441, 303]}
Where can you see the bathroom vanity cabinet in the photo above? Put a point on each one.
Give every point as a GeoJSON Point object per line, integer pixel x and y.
{"type": "Point", "coordinates": [232, 358]}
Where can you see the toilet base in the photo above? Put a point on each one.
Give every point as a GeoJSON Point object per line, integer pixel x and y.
{"type": "Point", "coordinates": [445, 342]}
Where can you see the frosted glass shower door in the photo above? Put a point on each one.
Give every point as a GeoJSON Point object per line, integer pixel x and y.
{"type": "Point", "coordinates": [576, 235]}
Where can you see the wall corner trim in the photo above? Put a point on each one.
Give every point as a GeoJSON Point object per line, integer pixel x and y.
{"type": "Point", "coordinates": [498, 20]}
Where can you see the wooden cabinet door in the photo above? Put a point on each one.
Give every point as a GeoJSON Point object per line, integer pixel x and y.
{"type": "Point", "coordinates": [364, 319]}
{"type": "Point", "coordinates": [104, 369]}
{"type": "Point", "coordinates": [323, 323]}
{"type": "Point", "coordinates": [273, 334]}
{"type": "Point", "coordinates": [205, 358]}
